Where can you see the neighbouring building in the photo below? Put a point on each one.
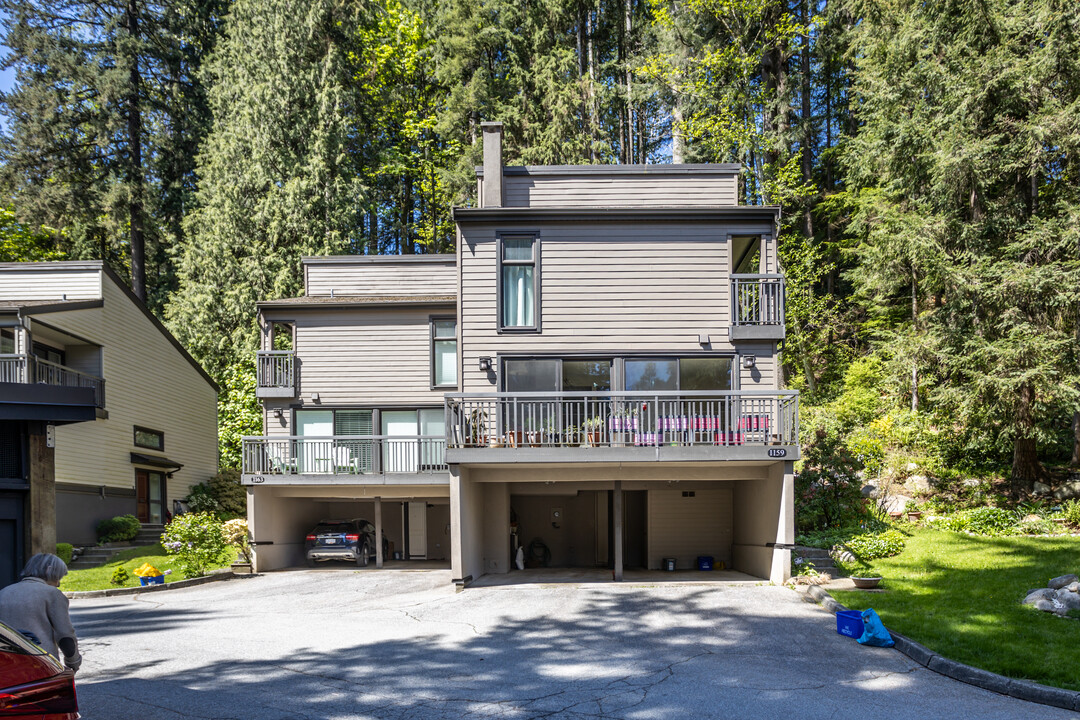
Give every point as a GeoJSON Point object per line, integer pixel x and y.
{"type": "Point", "coordinates": [592, 377]}
{"type": "Point", "coordinates": [102, 411]}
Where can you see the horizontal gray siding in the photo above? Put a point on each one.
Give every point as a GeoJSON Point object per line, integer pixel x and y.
{"type": "Point", "coordinates": [376, 357]}
{"type": "Point", "coordinates": [624, 191]}
{"type": "Point", "coordinates": [643, 288]}
{"type": "Point", "coordinates": [381, 279]}
{"type": "Point", "coordinates": [53, 284]}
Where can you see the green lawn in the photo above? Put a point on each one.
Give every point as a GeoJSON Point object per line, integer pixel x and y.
{"type": "Point", "coordinates": [960, 596]}
{"type": "Point", "coordinates": [97, 578]}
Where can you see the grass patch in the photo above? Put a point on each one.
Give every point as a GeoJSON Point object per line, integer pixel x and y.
{"type": "Point", "coordinates": [97, 578]}
{"type": "Point", "coordinates": [960, 596]}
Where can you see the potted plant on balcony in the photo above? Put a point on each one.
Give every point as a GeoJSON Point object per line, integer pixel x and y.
{"type": "Point", "coordinates": [533, 436]}
{"type": "Point", "coordinates": [622, 422]}
{"type": "Point", "coordinates": [594, 430]}
{"type": "Point", "coordinates": [476, 428]}
{"type": "Point", "coordinates": [571, 436]}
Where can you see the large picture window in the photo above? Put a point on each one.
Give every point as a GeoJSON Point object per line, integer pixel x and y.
{"type": "Point", "coordinates": [443, 352]}
{"type": "Point", "coordinates": [518, 296]}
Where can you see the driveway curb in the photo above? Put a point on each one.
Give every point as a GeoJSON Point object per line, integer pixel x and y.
{"type": "Point", "coordinates": [114, 592]}
{"type": "Point", "coordinates": [1020, 689]}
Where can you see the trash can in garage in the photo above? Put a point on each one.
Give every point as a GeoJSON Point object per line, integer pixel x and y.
{"type": "Point", "coordinates": [704, 562]}
{"type": "Point", "coordinates": [668, 564]}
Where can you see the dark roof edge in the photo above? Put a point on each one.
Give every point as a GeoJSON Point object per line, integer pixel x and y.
{"type": "Point", "coordinates": [377, 259]}
{"type": "Point", "coordinates": [48, 265]}
{"type": "Point", "coordinates": [51, 306]}
{"type": "Point", "coordinates": [638, 169]}
{"type": "Point", "coordinates": [352, 302]}
{"type": "Point", "coordinates": [111, 274]}
{"type": "Point", "coordinates": [668, 214]}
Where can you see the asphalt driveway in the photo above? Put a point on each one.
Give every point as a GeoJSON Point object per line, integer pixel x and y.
{"type": "Point", "coordinates": [402, 644]}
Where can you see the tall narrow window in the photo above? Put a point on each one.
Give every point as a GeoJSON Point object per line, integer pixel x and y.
{"type": "Point", "coordinates": [443, 352]}
{"type": "Point", "coordinates": [517, 281]}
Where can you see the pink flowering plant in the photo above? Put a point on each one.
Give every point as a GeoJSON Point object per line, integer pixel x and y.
{"type": "Point", "coordinates": [198, 541]}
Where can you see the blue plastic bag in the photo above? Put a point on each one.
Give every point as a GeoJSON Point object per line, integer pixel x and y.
{"type": "Point", "coordinates": [874, 632]}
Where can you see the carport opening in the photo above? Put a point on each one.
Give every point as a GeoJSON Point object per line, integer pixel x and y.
{"type": "Point", "coordinates": [576, 529]}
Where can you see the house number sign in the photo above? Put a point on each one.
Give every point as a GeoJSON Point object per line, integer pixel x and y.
{"type": "Point", "coordinates": [256, 479]}
{"type": "Point", "coordinates": [777, 452]}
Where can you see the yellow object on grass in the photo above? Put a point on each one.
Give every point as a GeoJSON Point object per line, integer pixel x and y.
{"type": "Point", "coordinates": [147, 570]}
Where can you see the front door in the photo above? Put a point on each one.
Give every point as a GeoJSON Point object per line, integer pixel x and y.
{"type": "Point", "coordinates": [417, 530]}
{"type": "Point", "coordinates": [149, 497]}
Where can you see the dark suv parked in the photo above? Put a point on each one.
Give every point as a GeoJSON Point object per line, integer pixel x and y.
{"type": "Point", "coordinates": [342, 540]}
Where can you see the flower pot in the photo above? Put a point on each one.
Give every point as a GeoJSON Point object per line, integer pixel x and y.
{"type": "Point", "coordinates": [533, 438]}
{"type": "Point", "coordinates": [495, 443]}
{"type": "Point", "coordinates": [594, 437]}
{"type": "Point", "coordinates": [513, 438]}
{"type": "Point", "coordinates": [914, 516]}
{"type": "Point", "coordinates": [866, 583]}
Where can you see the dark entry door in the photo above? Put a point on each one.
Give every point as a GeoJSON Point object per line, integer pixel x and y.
{"type": "Point", "coordinates": [634, 529]}
{"type": "Point", "coordinates": [11, 537]}
{"type": "Point", "coordinates": [149, 496]}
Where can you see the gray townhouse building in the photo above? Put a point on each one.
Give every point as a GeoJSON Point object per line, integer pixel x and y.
{"type": "Point", "coordinates": [592, 377]}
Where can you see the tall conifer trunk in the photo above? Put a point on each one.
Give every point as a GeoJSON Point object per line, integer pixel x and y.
{"type": "Point", "coordinates": [135, 171]}
{"type": "Point", "coordinates": [1025, 466]}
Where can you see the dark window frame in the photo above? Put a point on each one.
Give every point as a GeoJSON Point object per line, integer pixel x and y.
{"type": "Point", "coordinates": [500, 237]}
{"type": "Point", "coordinates": [135, 438]}
{"type": "Point", "coordinates": [432, 319]}
{"type": "Point", "coordinates": [618, 365]}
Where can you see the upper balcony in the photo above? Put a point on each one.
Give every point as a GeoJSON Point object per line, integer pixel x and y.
{"type": "Point", "coordinates": [30, 369]}
{"type": "Point", "coordinates": [670, 426]}
{"type": "Point", "coordinates": [757, 307]}
{"type": "Point", "coordinates": [345, 459]}
{"type": "Point", "coordinates": [275, 374]}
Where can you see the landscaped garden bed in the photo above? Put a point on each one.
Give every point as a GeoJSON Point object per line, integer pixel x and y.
{"type": "Point", "coordinates": [960, 595]}
{"type": "Point", "coordinates": [100, 578]}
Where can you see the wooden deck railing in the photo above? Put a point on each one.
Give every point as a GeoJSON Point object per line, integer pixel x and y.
{"type": "Point", "coordinates": [622, 419]}
{"type": "Point", "coordinates": [275, 370]}
{"type": "Point", "coordinates": [32, 369]}
{"type": "Point", "coordinates": [757, 299]}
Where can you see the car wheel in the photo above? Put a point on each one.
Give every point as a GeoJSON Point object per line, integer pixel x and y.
{"type": "Point", "coordinates": [362, 558]}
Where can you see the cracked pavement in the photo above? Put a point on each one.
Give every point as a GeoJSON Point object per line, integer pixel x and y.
{"type": "Point", "coordinates": [401, 644]}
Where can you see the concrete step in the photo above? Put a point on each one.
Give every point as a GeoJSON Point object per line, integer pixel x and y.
{"type": "Point", "coordinates": [809, 552]}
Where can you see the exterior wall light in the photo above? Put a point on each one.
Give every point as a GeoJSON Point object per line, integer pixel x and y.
{"type": "Point", "coordinates": [315, 397]}
{"type": "Point", "coordinates": [749, 361]}
{"type": "Point", "coordinates": [277, 412]}
{"type": "Point", "coordinates": [485, 364]}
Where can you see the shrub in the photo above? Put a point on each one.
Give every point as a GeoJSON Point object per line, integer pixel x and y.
{"type": "Point", "coordinates": [198, 542]}
{"type": "Point", "coordinates": [828, 488]}
{"type": "Point", "coordinates": [236, 534]}
{"type": "Point", "coordinates": [63, 551]}
{"type": "Point", "coordinates": [118, 529]}
{"type": "Point", "coordinates": [980, 521]}
{"type": "Point", "coordinates": [120, 576]}
{"type": "Point", "coordinates": [222, 495]}
{"type": "Point", "coordinates": [871, 546]}
{"type": "Point", "coordinates": [1071, 511]}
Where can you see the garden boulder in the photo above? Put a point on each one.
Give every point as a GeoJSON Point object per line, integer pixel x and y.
{"type": "Point", "coordinates": [1062, 581]}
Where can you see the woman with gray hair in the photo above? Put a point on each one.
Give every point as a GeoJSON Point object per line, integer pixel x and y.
{"type": "Point", "coordinates": [35, 606]}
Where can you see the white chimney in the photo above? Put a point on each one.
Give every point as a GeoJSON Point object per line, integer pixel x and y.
{"type": "Point", "coordinates": [492, 196]}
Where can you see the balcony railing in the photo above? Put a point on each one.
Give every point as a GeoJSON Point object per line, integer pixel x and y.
{"type": "Point", "coordinates": [757, 300]}
{"type": "Point", "coordinates": [275, 373]}
{"type": "Point", "coordinates": [32, 369]}
{"type": "Point", "coordinates": [344, 455]}
{"type": "Point", "coordinates": [622, 419]}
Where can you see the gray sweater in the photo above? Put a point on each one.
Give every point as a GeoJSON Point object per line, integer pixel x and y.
{"type": "Point", "coordinates": [33, 605]}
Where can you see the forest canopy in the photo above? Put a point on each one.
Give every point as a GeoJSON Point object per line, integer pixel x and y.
{"type": "Point", "coordinates": [925, 156]}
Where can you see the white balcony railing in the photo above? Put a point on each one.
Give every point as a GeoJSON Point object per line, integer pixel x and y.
{"type": "Point", "coordinates": [757, 300]}
{"type": "Point", "coordinates": [344, 455]}
{"type": "Point", "coordinates": [32, 369]}
{"type": "Point", "coordinates": [622, 419]}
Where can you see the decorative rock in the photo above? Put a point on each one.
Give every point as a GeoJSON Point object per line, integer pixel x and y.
{"type": "Point", "coordinates": [1034, 596]}
{"type": "Point", "coordinates": [844, 556]}
{"type": "Point", "coordinates": [1061, 581]}
{"type": "Point", "coordinates": [971, 482]}
{"type": "Point", "coordinates": [1067, 491]}
{"type": "Point", "coordinates": [1041, 489]}
{"type": "Point", "coordinates": [1044, 605]}
{"type": "Point", "coordinates": [1073, 587]}
{"type": "Point", "coordinates": [869, 491]}
{"type": "Point", "coordinates": [897, 503]}
{"type": "Point", "coordinates": [1070, 600]}
{"type": "Point", "coordinates": [918, 483]}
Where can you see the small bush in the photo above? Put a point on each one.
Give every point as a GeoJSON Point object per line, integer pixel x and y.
{"type": "Point", "coordinates": [120, 576]}
{"type": "Point", "coordinates": [871, 546]}
{"type": "Point", "coordinates": [828, 489]}
{"type": "Point", "coordinates": [222, 495]}
{"type": "Point", "coordinates": [988, 521]}
{"type": "Point", "coordinates": [118, 529]}
{"type": "Point", "coordinates": [198, 542]}
{"type": "Point", "coordinates": [63, 551]}
{"type": "Point", "coordinates": [1071, 511]}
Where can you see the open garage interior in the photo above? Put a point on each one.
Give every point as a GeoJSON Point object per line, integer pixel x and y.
{"type": "Point", "coordinates": [740, 518]}
{"type": "Point", "coordinates": [416, 527]}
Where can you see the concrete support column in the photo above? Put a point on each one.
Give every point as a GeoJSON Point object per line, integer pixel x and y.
{"type": "Point", "coordinates": [40, 527]}
{"type": "Point", "coordinates": [784, 474]}
{"type": "Point", "coordinates": [378, 533]}
{"type": "Point", "coordinates": [466, 527]}
{"type": "Point", "coordinates": [617, 519]}
{"type": "Point", "coordinates": [496, 528]}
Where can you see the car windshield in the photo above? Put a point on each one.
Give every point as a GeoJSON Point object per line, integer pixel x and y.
{"type": "Point", "coordinates": [331, 528]}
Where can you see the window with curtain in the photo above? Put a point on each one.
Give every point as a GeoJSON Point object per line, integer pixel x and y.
{"type": "Point", "coordinates": [443, 352]}
{"type": "Point", "coordinates": [518, 282]}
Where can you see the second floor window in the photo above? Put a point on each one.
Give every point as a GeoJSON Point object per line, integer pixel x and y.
{"type": "Point", "coordinates": [518, 299]}
{"type": "Point", "coordinates": [443, 352]}
{"type": "Point", "coordinates": [147, 438]}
